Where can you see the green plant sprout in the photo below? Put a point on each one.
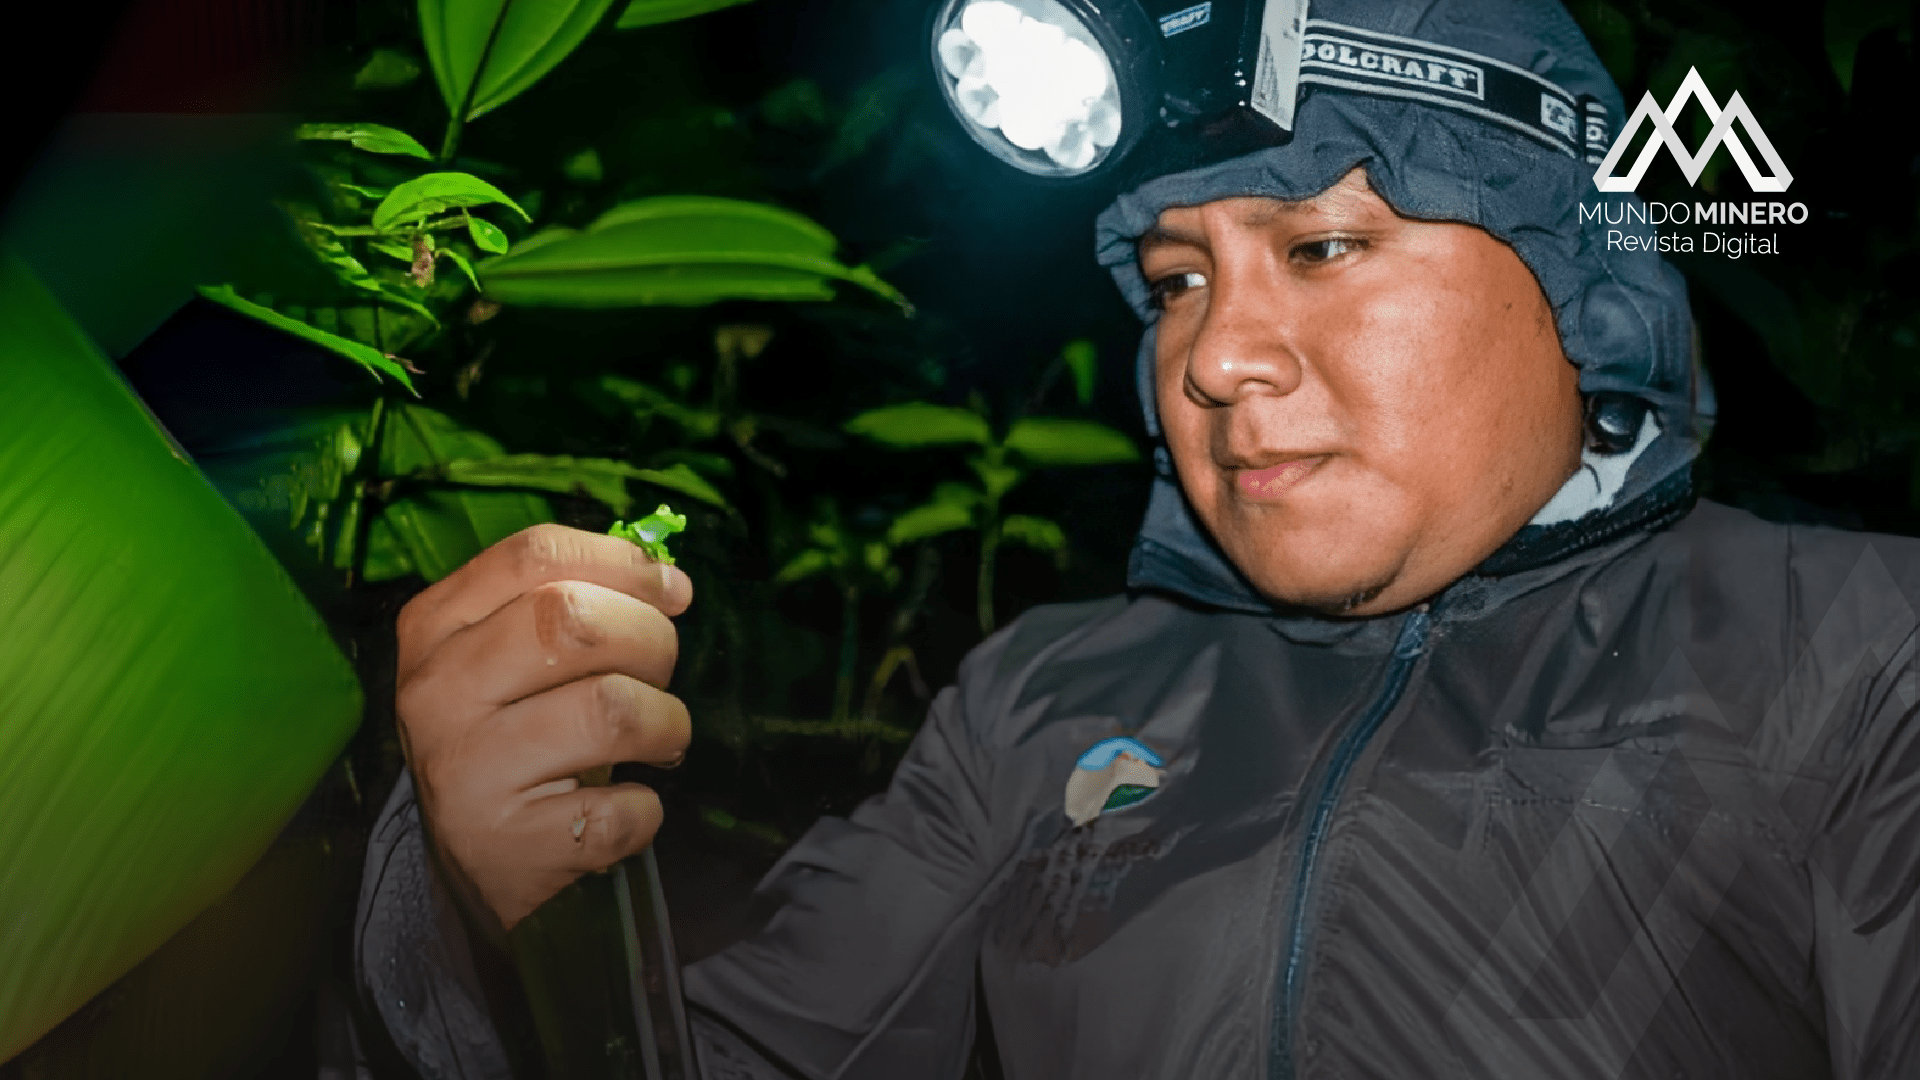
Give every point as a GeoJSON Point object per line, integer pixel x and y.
{"type": "Point", "coordinates": [651, 532]}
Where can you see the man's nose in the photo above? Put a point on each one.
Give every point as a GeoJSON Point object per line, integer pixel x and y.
{"type": "Point", "coordinates": [1246, 344]}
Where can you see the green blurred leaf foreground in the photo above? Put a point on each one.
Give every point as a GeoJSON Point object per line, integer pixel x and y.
{"type": "Point", "coordinates": [167, 698]}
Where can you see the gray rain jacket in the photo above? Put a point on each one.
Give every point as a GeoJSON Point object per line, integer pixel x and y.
{"type": "Point", "coordinates": [1638, 798]}
{"type": "Point", "coordinates": [1650, 811]}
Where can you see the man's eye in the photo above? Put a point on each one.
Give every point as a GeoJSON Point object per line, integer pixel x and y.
{"type": "Point", "coordinates": [1319, 251]}
{"type": "Point", "coordinates": [1165, 289]}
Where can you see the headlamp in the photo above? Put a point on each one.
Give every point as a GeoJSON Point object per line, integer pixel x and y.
{"type": "Point", "coordinates": [1051, 87]}
{"type": "Point", "coordinates": [1070, 88]}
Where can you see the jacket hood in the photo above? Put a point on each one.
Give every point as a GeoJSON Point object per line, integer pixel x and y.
{"type": "Point", "coordinates": [1622, 316]}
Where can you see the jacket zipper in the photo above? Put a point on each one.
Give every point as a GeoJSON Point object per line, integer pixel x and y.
{"type": "Point", "coordinates": [1407, 648]}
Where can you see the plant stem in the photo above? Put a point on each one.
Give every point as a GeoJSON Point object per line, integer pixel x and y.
{"type": "Point", "coordinates": [451, 141]}
{"type": "Point", "coordinates": [849, 652]}
{"type": "Point", "coordinates": [989, 550]}
{"type": "Point", "coordinates": [364, 493]}
{"type": "Point", "coordinates": [458, 121]}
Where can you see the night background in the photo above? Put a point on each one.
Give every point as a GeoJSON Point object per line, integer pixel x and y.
{"type": "Point", "coordinates": [873, 480]}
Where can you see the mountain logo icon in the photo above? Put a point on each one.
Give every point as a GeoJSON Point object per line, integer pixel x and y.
{"type": "Point", "coordinates": [1691, 164]}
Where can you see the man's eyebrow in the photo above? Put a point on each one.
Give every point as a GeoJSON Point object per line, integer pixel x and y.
{"type": "Point", "coordinates": [1157, 233]}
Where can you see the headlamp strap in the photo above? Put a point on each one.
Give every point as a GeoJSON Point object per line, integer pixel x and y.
{"type": "Point", "coordinates": [1388, 65]}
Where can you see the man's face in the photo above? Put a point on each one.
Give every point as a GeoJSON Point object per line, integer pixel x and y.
{"type": "Point", "coordinates": [1361, 407]}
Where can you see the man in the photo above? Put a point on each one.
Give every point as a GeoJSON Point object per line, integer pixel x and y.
{"type": "Point", "coordinates": [1439, 732]}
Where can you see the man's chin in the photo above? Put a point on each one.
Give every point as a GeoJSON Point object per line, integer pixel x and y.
{"type": "Point", "coordinates": [1334, 601]}
{"type": "Point", "coordinates": [1357, 591]}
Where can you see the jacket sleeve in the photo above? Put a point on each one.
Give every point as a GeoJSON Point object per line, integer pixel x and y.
{"type": "Point", "coordinates": [1864, 873]}
{"type": "Point", "coordinates": [864, 969]}
{"type": "Point", "coordinates": [417, 968]}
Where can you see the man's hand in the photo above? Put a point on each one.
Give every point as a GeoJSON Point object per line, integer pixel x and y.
{"type": "Point", "coordinates": [544, 658]}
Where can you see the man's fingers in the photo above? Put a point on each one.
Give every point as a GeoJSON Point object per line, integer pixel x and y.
{"type": "Point", "coordinates": [547, 841]}
{"type": "Point", "coordinates": [587, 723]}
{"type": "Point", "coordinates": [529, 558]}
{"type": "Point", "coordinates": [546, 637]}
{"type": "Point", "coordinates": [591, 828]}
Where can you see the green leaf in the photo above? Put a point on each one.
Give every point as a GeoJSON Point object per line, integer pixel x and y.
{"type": "Point", "coordinates": [167, 698]}
{"type": "Point", "coordinates": [365, 192]}
{"type": "Point", "coordinates": [595, 478]}
{"type": "Point", "coordinates": [920, 424]}
{"type": "Point", "coordinates": [677, 250]}
{"type": "Point", "coordinates": [487, 236]}
{"type": "Point", "coordinates": [929, 520]}
{"type": "Point", "coordinates": [653, 12]}
{"type": "Point", "coordinates": [797, 104]}
{"type": "Point", "coordinates": [1083, 361]}
{"type": "Point", "coordinates": [996, 476]}
{"type": "Point", "coordinates": [386, 69]}
{"type": "Point", "coordinates": [809, 563]}
{"type": "Point", "coordinates": [1037, 533]}
{"type": "Point", "coordinates": [424, 196]}
{"type": "Point", "coordinates": [375, 362]}
{"type": "Point", "coordinates": [465, 266]}
{"type": "Point", "coordinates": [351, 272]}
{"type": "Point", "coordinates": [647, 401]}
{"type": "Point", "coordinates": [1070, 442]}
{"type": "Point", "coordinates": [485, 52]}
{"type": "Point", "coordinates": [584, 167]}
{"type": "Point", "coordinates": [373, 138]}
{"type": "Point", "coordinates": [403, 252]}
{"type": "Point", "coordinates": [438, 530]}
{"type": "Point", "coordinates": [684, 480]}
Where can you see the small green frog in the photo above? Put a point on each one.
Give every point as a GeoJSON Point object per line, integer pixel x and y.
{"type": "Point", "coordinates": [651, 532]}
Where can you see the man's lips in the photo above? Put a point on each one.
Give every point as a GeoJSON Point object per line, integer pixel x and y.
{"type": "Point", "coordinates": [1275, 480]}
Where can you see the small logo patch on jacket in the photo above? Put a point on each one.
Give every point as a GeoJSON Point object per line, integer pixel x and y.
{"type": "Point", "coordinates": [1112, 774]}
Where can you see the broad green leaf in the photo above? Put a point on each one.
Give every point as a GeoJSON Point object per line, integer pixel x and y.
{"type": "Point", "coordinates": [167, 698]}
{"type": "Point", "coordinates": [700, 461]}
{"type": "Point", "coordinates": [595, 478]}
{"type": "Point", "coordinates": [653, 12]}
{"type": "Point", "coordinates": [424, 196]}
{"type": "Point", "coordinates": [373, 138]}
{"type": "Point", "coordinates": [929, 520]}
{"type": "Point", "coordinates": [440, 529]}
{"type": "Point", "coordinates": [797, 104]}
{"type": "Point", "coordinates": [484, 52]}
{"type": "Point", "coordinates": [1034, 532]}
{"type": "Point", "coordinates": [403, 252]}
{"type": "Point", "coordinates": [919, 424]}
{"type": "Point", "coordinates": [809, 563]}
{"type": "Point", "coordinates": [996, 476]}
{"type": "Point", "coordinates": [386, 69]}
{"type": "Point", "coordinates": [1083, 362]}
{"type": "Point", "coordinates": [584, 167]}
{"type": "Point", "coordinates": [365, 192]}
{"type": "Point", "coordinates": [460, 261]}
{"type": "Point", "coordinates": [1070, 442]}
{"type": "Point", "coordinates": [684, 480]}
{"type": "Point", "coordinates": [373, 360]}
{"type": "Point", "coordinates": [647, 401]}
{"type": "Point", "coordinates": [487, 236]}
{"type": "Point", "coordinates": [677, 250]}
